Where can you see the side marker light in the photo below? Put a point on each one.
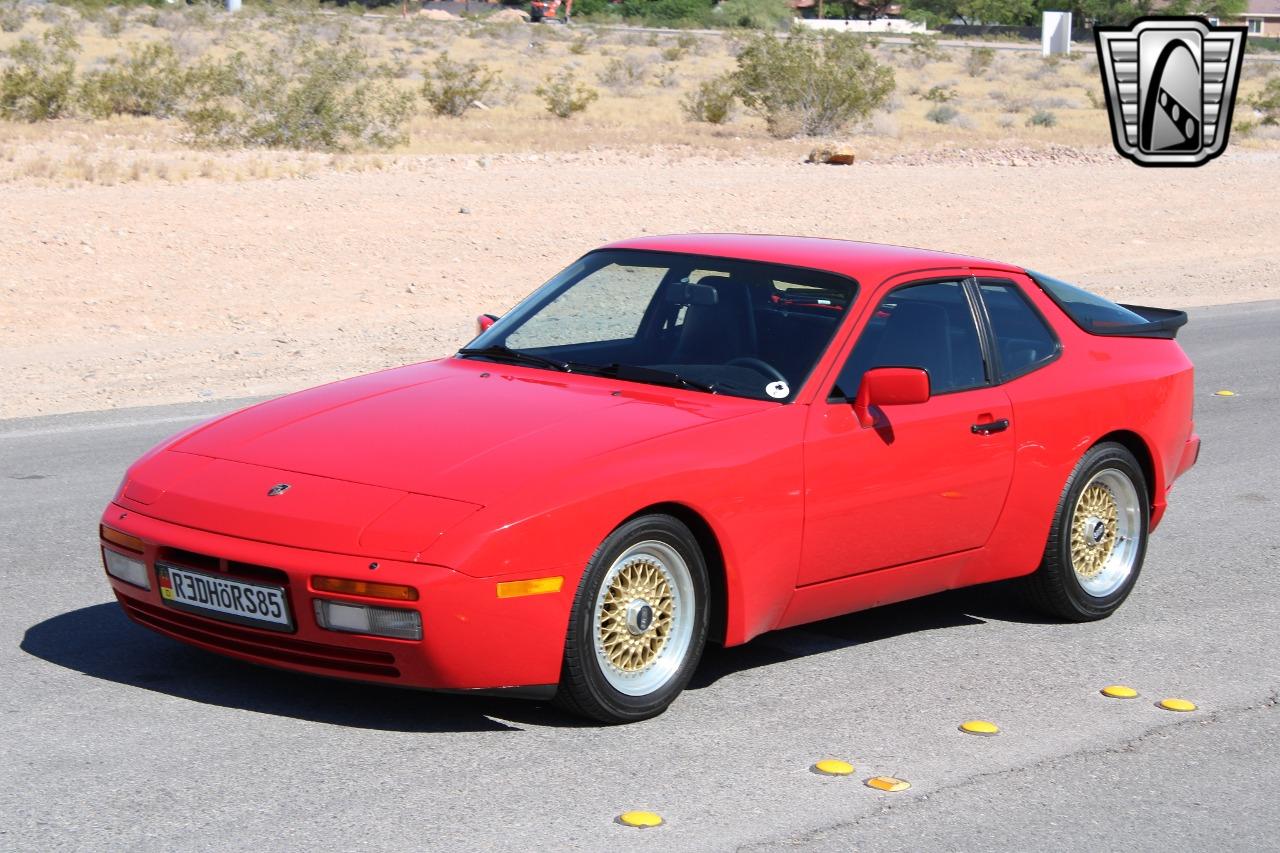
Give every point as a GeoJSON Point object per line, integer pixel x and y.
{"type": "Point", "coordinates": [536, 586]}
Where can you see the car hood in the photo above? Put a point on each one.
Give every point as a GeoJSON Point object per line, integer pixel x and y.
{"type": "Point", "coordinates": [465, 430]}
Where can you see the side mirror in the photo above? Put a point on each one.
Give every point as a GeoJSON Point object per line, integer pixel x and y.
{"type": "Point", "coordinates": [890, 386]}
{"type": "Point", "coordinates": [484, 321]}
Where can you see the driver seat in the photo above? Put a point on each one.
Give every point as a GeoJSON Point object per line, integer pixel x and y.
{"type": "Point", "coordinates": [720, 331]}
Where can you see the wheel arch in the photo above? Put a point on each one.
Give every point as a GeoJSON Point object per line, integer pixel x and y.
{"type": "Point", "coordinates": [712, 553]}
{"type": "Point", "coordinates": [1141, 451]}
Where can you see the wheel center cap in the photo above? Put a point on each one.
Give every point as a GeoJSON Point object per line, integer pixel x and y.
{"type": "Point", "coordinates": [639, 616]}
{"type": "Point", "coordinates": [1095, 530]}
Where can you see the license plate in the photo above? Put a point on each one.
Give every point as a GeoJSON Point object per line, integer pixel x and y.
{"type": "Point", "coordinates": [259, 605]}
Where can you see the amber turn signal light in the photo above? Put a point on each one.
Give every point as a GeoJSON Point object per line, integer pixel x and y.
{"type": "Point", "coordinates": [391, 591]}
{"type": "Point", "coordinates": [537, 586]}
{"type": "Point", "coordinates": [124, 540]}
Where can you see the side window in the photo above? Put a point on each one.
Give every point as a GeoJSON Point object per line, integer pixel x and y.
{"type": "Point", "coordinates": [1023, 340]}
{"type": "Point", "coordinates": [920, 325]}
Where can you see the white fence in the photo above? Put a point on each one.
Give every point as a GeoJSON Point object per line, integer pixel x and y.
{"type": "Point", "coordinates": [879, 25]}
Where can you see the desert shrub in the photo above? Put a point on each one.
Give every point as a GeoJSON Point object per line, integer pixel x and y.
{"type": "Point", "coordinates": [674, 53]}
{"type": "Point", "coordinates": [111, 24]}
{"type": "Point", "coordinates": [565, 96]}
{"type": "Point", "coordinates": [624, 74]}
{"type": "Point", "coordinates": [810, 84]}
{"type": "Point", "coordinates": [579, 45]}
{"type": "Point", "coordinates": [979, 60]}
{"type": "Point", "coordinates": [452, 88]}
{"type": "Point", "coordinates": [1010, 102]}
{"type": "Point", "coordinates": [712, 102]}
{"type": "Point", "coordinates": [1095, 100]}
{"type": "Point", "coordinates": [39, 83]}
{"type": "Point", "coordinates": [149, 81]}
{"type": "Point", "coordinates": [1042, 118]}
{"type": "Point", "coordinates": [924, 49]}
{"type": "Point", "coordinates": [940, 94]}
{"type": "Point", "coordinates": [1267, 102]}
{"type": "Point", "coordinates": [942, 114]}
{"type": "Point", "coordinates": [311, 98]}
{"type": "Point", "coordinates": [688, 42]}
{"type": "Point", "coordinates": [13, 17]}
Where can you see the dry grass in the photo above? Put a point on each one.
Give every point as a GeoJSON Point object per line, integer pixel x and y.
{"type": "Point", "coordinates": [993, 106]}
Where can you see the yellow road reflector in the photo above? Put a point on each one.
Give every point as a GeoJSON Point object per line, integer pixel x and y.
{"type": "Point", "coordinates": [833, 767]}
{"type": "Point", "coordinates": [979, 727]}
{"type": "Point", "coordinates": [536, 586]}
{"type": "Point", "coordinates": [1118, 691]}
{"type": "Point", "coordinates": [640, 820]}
{"type": "Point", "coordinates": [888, 783]}
{"type": "Point", "coordinates": [1224, 393]}
{"type": "Point", "coordinates": [1176, 705]}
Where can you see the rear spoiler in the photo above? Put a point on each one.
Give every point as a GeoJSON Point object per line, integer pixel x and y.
{"type": "Point", "coordinates": [1089, 311]}
{"type": "Point", "coordinates": [1161, 323]}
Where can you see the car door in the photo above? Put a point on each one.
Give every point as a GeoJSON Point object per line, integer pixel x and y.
{"type": "Point", "coordinates": [927, 479]}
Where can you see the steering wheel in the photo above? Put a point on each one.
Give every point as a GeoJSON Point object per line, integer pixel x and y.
{"type": "Point", "coordinates": [758, 364]}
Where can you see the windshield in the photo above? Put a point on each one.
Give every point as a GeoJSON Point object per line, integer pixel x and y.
{"type": "Point", "coordinates": [710, 324]}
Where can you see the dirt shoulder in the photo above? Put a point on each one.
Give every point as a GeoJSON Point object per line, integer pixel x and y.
{"type": "Point", "coordinates": [148, 293]}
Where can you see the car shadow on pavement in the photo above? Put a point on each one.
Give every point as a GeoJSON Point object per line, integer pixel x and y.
{"type": "Point", "coordinates": [955, 609]}
{"type": "Point", "coordinates": [101, 642]}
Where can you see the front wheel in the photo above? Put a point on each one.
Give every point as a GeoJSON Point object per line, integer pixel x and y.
{"type": "Point", "coordinates": [1098, 539]}
{"type": "Point", "coordinates": [639, 622]}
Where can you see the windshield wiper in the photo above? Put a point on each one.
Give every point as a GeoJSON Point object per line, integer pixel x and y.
{"type": "Point", "coordinates": [649, 375]}
{"type": "Point", "coordinates": [500, 352]}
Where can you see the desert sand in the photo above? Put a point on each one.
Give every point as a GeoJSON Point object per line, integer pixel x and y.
{"type": "Point", "coordinates": [134, 294]}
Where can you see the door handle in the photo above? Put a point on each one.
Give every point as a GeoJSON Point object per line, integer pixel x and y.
{"type": "Point", "coordinates": [990, 427]}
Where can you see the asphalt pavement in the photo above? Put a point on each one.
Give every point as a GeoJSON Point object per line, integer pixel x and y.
{"type": "Point", "coordinates": [115, 738]}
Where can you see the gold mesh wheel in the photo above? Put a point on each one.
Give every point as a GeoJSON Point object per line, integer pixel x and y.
{"type": "Point", "coordinates": [641, 581]}
{"type": "Point", "coordinates": [643, 618]}
{"type": "Point", "coordinates": [1093, 530]}
{"type": "Point", "coordinates": [1106, 532]}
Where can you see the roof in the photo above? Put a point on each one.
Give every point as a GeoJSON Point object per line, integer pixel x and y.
{"type": "Point", "coordinates": [1263, 7]}
{"type": "Point", "coordinates": [867, 263]}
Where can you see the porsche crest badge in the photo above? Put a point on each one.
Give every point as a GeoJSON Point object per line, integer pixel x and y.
{"type": "Point", "coordinates": [1170, 86]}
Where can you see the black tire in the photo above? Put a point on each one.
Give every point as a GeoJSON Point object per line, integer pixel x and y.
{"type": "Point", "coordinates": [1055, 587]}
{"type": "Point", "coordinates": [534, 17]}
{"type": "Point", "coordinates": [584, 688]}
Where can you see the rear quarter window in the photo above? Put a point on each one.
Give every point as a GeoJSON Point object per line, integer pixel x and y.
{"type": "Point", "coordinates": [1089, 311]}
{"type": "Point", "coordinates": [1023, 339]}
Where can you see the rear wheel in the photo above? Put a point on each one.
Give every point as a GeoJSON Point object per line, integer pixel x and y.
{"type": "Point", "coordinates": [1098, 539]}
{"type": "Point", "coordinates": [639, 622]}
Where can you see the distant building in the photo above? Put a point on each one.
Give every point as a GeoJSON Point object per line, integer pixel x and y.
{"type": "Point", "coordinates": [1262, 17]}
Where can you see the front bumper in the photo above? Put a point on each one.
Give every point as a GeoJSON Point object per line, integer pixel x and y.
{"type": "Point", "coordinates": [472, 640]}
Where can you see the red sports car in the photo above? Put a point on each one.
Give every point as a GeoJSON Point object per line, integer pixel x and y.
{"type": "Point", "coordinates": [676, 439]}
